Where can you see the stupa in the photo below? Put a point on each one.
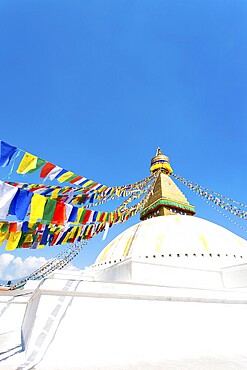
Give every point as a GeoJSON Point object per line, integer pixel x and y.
{"type": "Point", "coordinates": [168, 293]}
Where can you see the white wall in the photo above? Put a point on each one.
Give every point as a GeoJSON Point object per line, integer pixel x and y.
{"type": "Point", "coordinates": [178, 319]}
{"type": "Point", "coordinates": [235, 277]}
{"type": "Point", "coordinates": [137, 271]}
{"type": "Point", "coordinates": [110, 333]}
{"type": "Point", "coordinates": [12, 309]}
{"type": "Point", "coordinates": [175, 276]}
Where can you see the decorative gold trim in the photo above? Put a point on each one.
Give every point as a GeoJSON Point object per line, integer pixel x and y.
{"type": "Point", "coordinates": [167, 202]}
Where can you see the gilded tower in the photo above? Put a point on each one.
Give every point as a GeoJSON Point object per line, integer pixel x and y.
{"type": "Point", "coordinates": [167, 198]}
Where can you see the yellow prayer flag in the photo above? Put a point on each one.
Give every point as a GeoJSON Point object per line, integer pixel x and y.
{"type": "Point", "coordinates": [3, 236]}
{"type": "Point", "coordinates": [13, 240]}
{"type": "Point", "coordinates": [54, 194]}
{"type": "Point", "coordinates": [89, 228]}
{"type": "Point", "coordinates": [89, 182]}
{"type": "Point", "coordinates": [28, 239]}
{"type": "Point", "coordinates": [79, 229]}
{"type": "Point", "coordinates": [101, 188]}
{"type": "Point", "coordinates": [73, 231]}
{"type": "Point", "coordinates": [79, 213]}
{"type": "Point", "coordinates": [66, 238]}
{"type": "Point", "coordinates": [27, 164]}
{"type": "Point", "coordinates": [37, 207]}
{"type": "Point", "coordinates": [65, 176]}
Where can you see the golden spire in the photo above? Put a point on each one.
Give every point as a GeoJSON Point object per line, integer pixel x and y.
{"type": "Point", "coordinates": [167, 198]}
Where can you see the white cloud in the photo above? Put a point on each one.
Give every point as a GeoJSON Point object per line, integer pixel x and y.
{"type": "Point", "coordinates": [5, 261]}
{"type": "Point", "coordinates": [12, 268]}
{"type": "Point", "coordinates": [70, 267]}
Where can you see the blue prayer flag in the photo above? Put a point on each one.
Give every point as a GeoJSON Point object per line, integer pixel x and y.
{"type": "Point", "coordinates": [7, 152]}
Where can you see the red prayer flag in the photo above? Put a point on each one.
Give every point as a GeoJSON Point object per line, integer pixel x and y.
{"type": "Point", "coordinates": [86, 216]}
{"type": "Point", "coordinates": [59, 215]}
{"type": "Point", "coordinates": [76, 179]}
{"type": "Point", "coordinates": [27, 245]}
{"type": "Point", "coordinates": [54, 239]}
{"type": "Point", "coordinates": [13, 227]}
{"type": "Point", "coordinates": [46, 169]}
{"type": "Point", "coordinates": [102, 217]}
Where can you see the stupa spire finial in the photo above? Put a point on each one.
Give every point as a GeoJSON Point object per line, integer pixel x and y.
{"type": "Point", "coordinates": [159, 152]}
{"type": "Point", "coordinates": [160, 162]}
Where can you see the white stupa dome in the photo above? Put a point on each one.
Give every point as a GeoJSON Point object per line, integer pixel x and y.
{"type": "Point", "coordinates": [176, 240]}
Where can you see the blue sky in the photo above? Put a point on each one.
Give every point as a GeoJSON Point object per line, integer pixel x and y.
{"type": "Point", "coordinates": [96, 86]}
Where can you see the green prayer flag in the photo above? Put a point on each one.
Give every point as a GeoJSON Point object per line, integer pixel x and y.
{"type": "Point", "coordinates": [21, 241]}
{"type": "Point", "coordinates": [40, 163]}
{"type": "Point", "coordinates": [5, 228]}
{"type": "Point", "coordinates": [49, 211]}
{"type": "Point", "coordinates": [82, 216]}
{"type": "Point", "coordinates": [71, 178]}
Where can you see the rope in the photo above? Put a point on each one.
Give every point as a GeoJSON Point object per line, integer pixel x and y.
{"type": "Point", "coordinates": [210, 196]}
{"type": "Point", "coordinates": [56, 263]}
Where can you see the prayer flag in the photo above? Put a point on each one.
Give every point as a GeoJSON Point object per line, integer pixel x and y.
{"type": "Point", "coordinates": [76, 180]}
{"type": "Point", "coordinates": [45, 236]}
{"type": "Point", "coordinates": [59, 216]}
{"type": "Point", "coordinates": [12, 227]}
{"type": "Point", "coordinates": [7, 152]}
{"type": "Point", "coordinates": [64, 177]}
{"type": "Point", "coordinates": [102, 217]}
{"type": "Point", "coordinates": [89, 217]}
{"type": "Point", "coordinates": [68, 208]}
{"type": "Point", "coordinates": [25, 227]}
{"type": "Point", "coordinates": [13, 240]}
{"type": "Point", "coordinates": [20, 204]}
{"type": "Point", "coordinates": [7, 193]}
{"type": "Point", "coordinates": [55, 193]}
{"type": "Point", "coordinates": [46, 169]}
{"type": "Point", "coordinates": [106, 231]}
{"type": "Point", "coordinates": [49, 211]}
{"type": "Point", "coordinates": [37, 208]}
{"type": "Point", "coordinates": [81, 214]}
{"type": "Point", "coordinates": [95, 213]}
{"type": "Point", "coordinates": [13, 203]}
{"type": "Point", "coordinates": [40, 163]}
{"type": "Point", "coordinates": [27, 163]}
{"type": "Point", "coordinates": [54, 172]}
{"type": "Point", "coordinates": [3, 236]}
{"type": "Point", "coordinates": [61, 173]}
{"type": "Point", "coordinates": [87, 183]}
{"type": "Point", "coordinates": [73, 215]}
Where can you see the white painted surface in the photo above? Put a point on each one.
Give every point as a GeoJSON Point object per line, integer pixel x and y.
{"type": "Point", "coordinates": [146, 311]}
{"type": "Point", "coordinates": [155, 273]}
{"type": "Point", "coordinates": [177, 240]}
{"type": "Point", "coordinates": [235, 277]}
{"type": "Point", "coordinates": [76, 324]}
{"type": "Point", "coordinates": [12, 309]}
{"type": "Point", "coordinates": [141, 334]}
